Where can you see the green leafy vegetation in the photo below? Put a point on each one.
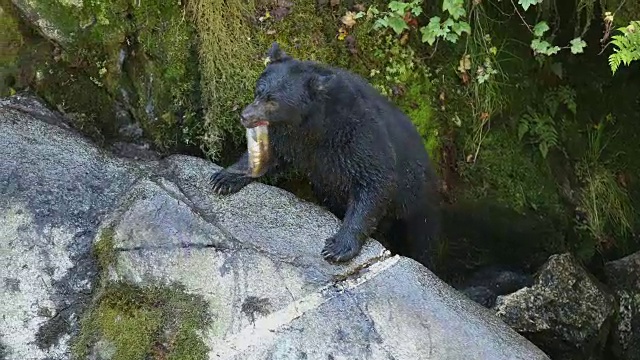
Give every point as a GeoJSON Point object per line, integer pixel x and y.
{"type": "Point", "coordinates": [605, 203]}
{"type": "Point", "coordinates": [10, 42]}
{"type": "Point", "coordinates": [400, 14]}
{"type": "Point", "coordinates": [540, 126]}
{"type": "Point", "coordinates": [394, 18]}
{"type": "Point", "coordinates": [528, 3]}
{"type": "Point", "coordinates": [507, 172]}
{"type": "Point", "coordinates": [627, 46]}
{"type": "Point", "coordinates": [393, 68]}
{"type": "Point", "coordinates": [450, 29]}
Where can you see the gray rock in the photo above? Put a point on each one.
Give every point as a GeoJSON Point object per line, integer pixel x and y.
{"type": "Point", "coordinates": [566, 312]}
{"type": "Point", "coordinates": [253, 257]}
{"type": "Point", "coordinates": [486, 284]}
{"type": "Point", "coordinates": [55, 188]}
{"type": "Point", "coordinates": [36, 14]}
{"type": "Point", "coordinates": [623, 276]}
{"type": "Point", "coordinates": [481, 294]}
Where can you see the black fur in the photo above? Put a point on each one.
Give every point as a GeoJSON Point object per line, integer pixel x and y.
{"type": "Point", "coordinates": [364, 158]}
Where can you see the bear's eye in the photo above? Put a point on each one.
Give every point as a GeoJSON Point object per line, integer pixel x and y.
{"type": "Point", "coordinates": [260, 88]}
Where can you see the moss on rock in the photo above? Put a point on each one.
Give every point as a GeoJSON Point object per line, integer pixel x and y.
{"type": "Point", "coordinates": [10, 42]}
{"type": "Point", "coordinates": [134, 321]}
{"type": "Point", "coordinates": [54, 19]}
{"type": "Point", "coordinates": [103, 249]}
{"type": "Point", "coordinates": [229, 64]}
{"type": "Point", "coordinates": [305, 31]}
{"type": "Point", "coordinates": [90, 109]}
{"type": "Point", "coordinates": [140, 54]}
{"type": "Point", "coordinates": [164, 72]}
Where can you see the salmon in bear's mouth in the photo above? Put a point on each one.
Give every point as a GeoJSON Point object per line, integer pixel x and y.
{"type": "Point", "coordinates": [258, 149]}
{"type": "Point", "coordinates": [257, 123]}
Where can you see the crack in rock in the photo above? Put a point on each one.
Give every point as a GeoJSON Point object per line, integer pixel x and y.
{"type": "Point", "coordinates": [265, 328]}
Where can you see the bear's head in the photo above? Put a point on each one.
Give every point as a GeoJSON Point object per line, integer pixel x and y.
{"type": "Point", "coordinates": [287, 91]}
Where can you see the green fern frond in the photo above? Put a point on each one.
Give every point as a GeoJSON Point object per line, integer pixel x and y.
{"type": "Point", "coordinates": [627, 46]}
{"type": "Point", "coordinates": [567, 96]}
{"type": "Point", "coordinates": [614, 62]}
{"type": "Point", "coordinates": [541, 128]}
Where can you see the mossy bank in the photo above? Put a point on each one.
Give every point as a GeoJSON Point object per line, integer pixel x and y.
{"type": "Point", "coordinates": [121, 69]}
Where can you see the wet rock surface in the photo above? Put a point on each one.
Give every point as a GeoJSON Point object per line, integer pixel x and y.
{"type": "Point", "coordinates": [486, 284]}
{"type": "Point", "coordinates": [623, 276]}
{"type": "Point", "coordinates": [55, 188]}
{"type": "Point", "coordinates": [84, 234]}
{"type": "Point", "coordinates": [566, 311]}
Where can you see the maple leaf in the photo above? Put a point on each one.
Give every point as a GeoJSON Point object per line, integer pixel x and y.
{"type": "Point", "coordinates": [527, 3]}
{"type": "Point", "coordinates": [577, 45]}
{"type": "Point", "coordinates": [540, 28]}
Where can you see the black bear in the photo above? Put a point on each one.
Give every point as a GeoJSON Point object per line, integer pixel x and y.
{"type": "Point", "coordinates": [362, 155]}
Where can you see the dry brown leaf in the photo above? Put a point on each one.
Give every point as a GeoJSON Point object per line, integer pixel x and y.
{"type": "Point", "coordinates": [465, 77]}
{"type": "Point", "coordinates": [465, 64]}
{"type": "Point", "coordinates": [349, 19]}
{"type": "Point", "coordinates": [410, 20]}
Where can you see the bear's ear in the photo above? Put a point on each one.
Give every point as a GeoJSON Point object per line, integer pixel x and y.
{"type": "Point", "coordinates": [320, 82]}
{"type": "Point", "coordinates": [275, 54]}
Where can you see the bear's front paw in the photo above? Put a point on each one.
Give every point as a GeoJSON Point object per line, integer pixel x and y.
{"type": "Point", "coordinates": [224, 182]}
{"type": "Point", "coordinates": [341, 248]}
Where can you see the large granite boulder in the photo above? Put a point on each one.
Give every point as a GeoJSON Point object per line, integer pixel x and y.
{"type": "Point", "coordinates": [55, 188]}
{"type": "Point", "coordinates": [112, 258]}
{"type": "Point", "coordinates": [623, 276]}
{"type": "Point", "coordinates": [566, 311]}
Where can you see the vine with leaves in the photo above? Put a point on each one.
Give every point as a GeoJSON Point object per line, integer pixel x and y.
{"type": "Point", "coordinates": [478, 66]}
